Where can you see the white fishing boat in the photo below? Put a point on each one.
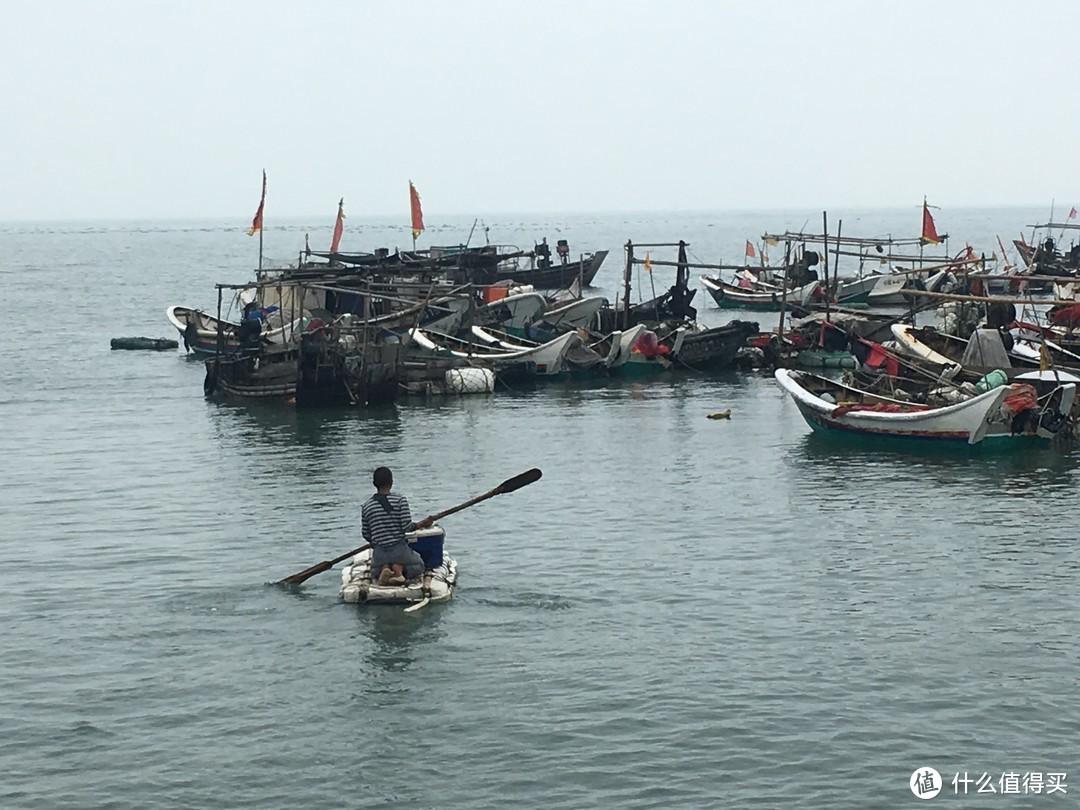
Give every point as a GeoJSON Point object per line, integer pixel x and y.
{"type": "Point", "coordinates": [544, 359]}
{"type": "Point", "coordinates": [515, 311]}
{"type": "Point", "coordinates": [436, 584]}
{"type": "Point", "coordinates": [199, 330]}
{"type": "Point", "coordinates": [889, 289]}
{"type": "Point", "coordinates": [759, 296]}
{"type": "Point", "coordinates": [572, 314]}
{"type": "Point", "coordinates": [831, 406]}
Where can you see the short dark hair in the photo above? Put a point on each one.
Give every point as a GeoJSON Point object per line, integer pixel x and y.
{"type": "Point", "coordinates": [382, 478]}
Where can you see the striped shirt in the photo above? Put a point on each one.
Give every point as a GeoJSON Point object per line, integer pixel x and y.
{"type": "Point", "coordinates": [382, 527]}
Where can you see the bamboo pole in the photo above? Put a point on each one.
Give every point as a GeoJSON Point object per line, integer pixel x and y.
{"type": "Point", "coordinates": [783, 295]}
{"type": "Point", "coordinates": [991, 299]}
{"type": "Point", "coordinates": [626, 284]}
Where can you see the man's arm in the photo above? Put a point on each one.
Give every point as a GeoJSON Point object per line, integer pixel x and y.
{"type": "Point", "coordinates": [365, 525]}
{"type": "Point", "coordinates": [407, 524]}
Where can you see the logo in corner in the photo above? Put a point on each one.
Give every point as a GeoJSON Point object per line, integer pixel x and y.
{"type": "Point", "coordinates": [925, 783]}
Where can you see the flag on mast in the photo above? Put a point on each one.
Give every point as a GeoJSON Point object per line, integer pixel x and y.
{"type": "Point", "coordinates": [929, 232]}
{"type": "Point", "coordinates": [648, 263]}
{"type": "Point", "coordinates": [417, 213]}
{"type": "Point", "coordinates": [1072, 212]}
{"type": "Point", "coordinates": [750, 249]}
{"type": "Point", "coordinates": [338, 226]}
{"type": "Point", "coordinates": [256, 223]}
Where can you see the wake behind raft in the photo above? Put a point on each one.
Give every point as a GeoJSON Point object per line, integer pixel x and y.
{"type": "Point", "coordinates": [144, 343]}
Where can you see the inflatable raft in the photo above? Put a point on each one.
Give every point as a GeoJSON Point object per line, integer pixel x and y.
{"type": "Point", "coordinates": [437, 583]}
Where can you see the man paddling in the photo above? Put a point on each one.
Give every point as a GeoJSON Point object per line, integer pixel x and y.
{"type": "Point", "coordinates": [384, 520]}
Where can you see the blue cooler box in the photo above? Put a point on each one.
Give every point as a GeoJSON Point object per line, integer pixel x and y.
{"type": "Point", "coordinates": [429, 545]}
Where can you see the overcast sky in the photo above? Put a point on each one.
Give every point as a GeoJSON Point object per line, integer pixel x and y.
{"type": "Point", "coordinates": [160, 110]}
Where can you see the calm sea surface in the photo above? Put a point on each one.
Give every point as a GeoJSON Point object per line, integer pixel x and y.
{"type": "Point", "coordinates": [681, 613]}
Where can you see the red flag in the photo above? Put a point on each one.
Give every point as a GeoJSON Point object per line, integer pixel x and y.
{"type": "Point", "coordinates": [1072, 212]}
{"type": "Point", "coordinates": [929, 232]}
{"type": "Point", "coordinates": [417, 214]}
{"type": "Point", "coordinates": [749, 250]}
{"type": "Point", "coordinates": [256, 223]}
{"type": "Point", "coordinates": [338, 226]}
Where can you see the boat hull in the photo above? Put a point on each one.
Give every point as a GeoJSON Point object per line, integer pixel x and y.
{"type": "Point", "coordinates": [554, 276]}
{"type": "Point", "coordinates": [966, 422]}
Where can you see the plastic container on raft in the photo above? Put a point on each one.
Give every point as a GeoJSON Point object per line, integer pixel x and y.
{"type": "Point", "coordinates": [428, 543]}
{"type": "Point", "coordinates": [470, 380]}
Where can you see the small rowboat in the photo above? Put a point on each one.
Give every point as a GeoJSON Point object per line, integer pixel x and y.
{"type": "Point", "coordinates": [436, 585]}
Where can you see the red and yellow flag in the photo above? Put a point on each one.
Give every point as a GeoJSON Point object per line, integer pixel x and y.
{"type": "Point", "coordinates": [338, 226]}
{"type": "Point", "coordinates": [256, 223]}
{"type": "Point", "coordinates": [417, 213]}
{"type": "Point", "coordinates": [929, 232]}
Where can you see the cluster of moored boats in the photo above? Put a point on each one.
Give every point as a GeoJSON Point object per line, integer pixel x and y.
{"type": "Point", "coordinates": [366, 328]}
{"type": "Point", "coordinates": [363, 329]}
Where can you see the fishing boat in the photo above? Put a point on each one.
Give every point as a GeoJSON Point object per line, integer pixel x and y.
{"type": "Point", "coordinates": [199, 330]}
{"type": "Point", "coordinates": [890, 289]}
{"type": "Point", "coordinates": [338, 363]}
{"type": "Point", "coordinates": [1005, 411]}
{"type": "Point", "coordinates": [760, 297]}
{"type": "Point", "coordinates": [358, 586]}
{"type": "Point", "coordinates": [572, 314]}
{"type": "Point", "coordinates": [515, 311]}
{"type": "Point", "coordinates": [544, 274]}
{"type": "Point", "coordinates": [545, 359]}
{"type": "Point", "coordinates": [984, 350]}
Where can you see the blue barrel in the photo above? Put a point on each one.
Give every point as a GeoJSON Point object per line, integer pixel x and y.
{"type": "Point", "coordinates": [430, 548]}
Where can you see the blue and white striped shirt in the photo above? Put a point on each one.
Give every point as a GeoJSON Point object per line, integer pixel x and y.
{"type": "Point", "coordinates": [384, 527]}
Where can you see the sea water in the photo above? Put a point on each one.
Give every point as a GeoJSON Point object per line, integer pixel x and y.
{"type": "Point", "coordinates": [682, 612]}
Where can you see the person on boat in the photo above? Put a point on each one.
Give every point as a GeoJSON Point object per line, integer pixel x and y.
{"type": "Point", "coordinates": [384, 520]}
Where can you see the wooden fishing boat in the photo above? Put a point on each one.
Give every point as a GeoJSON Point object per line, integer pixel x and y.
{"type": "Point", "coordinates": [358, 586]}
{"type": "Point", "coordinates": [1008, 411]}
{"type": "Point", "coordinates": [889, 290]}
{"type": "Point", "coordinates": [544, 274]}
{"type": "Point", "coordinates": [546, 359]}
{"type": "Point", "coordinates": [827, 405]}
{"type": "Point", "coordinates": [331, 364]}
{"type": "Point", "coordinates": [984, 351]}
{"type": "Point", "coordinates": [199, 330]}
{"type": "Point", "coordinates": [596, 353]}
{"type": "Point", "coordinates": [516, 311]}
{"type": "Point", "coordinates": [572, 314]}
{"type": "Point", "coordinates": [762, 298]}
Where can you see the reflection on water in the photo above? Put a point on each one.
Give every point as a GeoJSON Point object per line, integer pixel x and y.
{"type": "Point", "coordinates": [398, 638]}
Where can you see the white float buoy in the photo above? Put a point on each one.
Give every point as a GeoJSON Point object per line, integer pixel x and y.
{"type": "Point", "coordinates": [470, 380]}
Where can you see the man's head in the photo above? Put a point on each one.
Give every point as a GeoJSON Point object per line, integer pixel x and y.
{"type": "Point", "coordinates": [383, 478]}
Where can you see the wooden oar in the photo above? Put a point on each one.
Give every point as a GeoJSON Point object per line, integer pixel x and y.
{"type": "Point", "coordinates": [318, 568]}
{"type": "Point", "coordinates": [509, 485]}
{"type": "Point", "coordinates": [517, 482]}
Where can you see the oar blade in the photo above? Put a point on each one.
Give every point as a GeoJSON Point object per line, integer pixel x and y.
{"type": "Point", "coordinates": [302, 576]}
{"type": "Point", "coordinates": [519, 481]}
